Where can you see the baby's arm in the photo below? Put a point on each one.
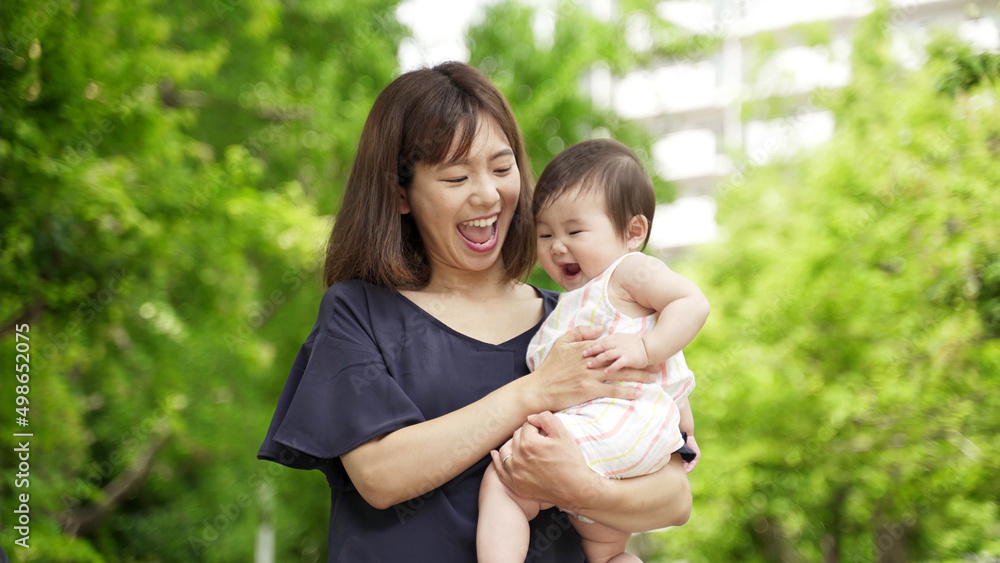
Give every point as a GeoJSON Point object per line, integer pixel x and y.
{"type": "Point", "coordinates": [687, 419]}
{"type": "Point", "coordinates": [682, 309]}
{"type": "Point", "coordinates": [687, 426]}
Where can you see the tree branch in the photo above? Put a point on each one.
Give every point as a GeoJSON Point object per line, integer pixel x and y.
{"type": "Point", "coordinates": [28, 316]}
{"type": "Point", "coordinates": [85, 520]}
{"type": "Point", "coordinates": [830, 542]}
{"type": "Point", "coordinates": [771, 537]}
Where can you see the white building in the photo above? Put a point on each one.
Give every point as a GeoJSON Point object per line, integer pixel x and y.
{"type": "Point", "coordinates": [694, 107]}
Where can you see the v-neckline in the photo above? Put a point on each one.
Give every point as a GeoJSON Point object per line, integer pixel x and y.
{"type": "Point", "coordinates": [476, 341]}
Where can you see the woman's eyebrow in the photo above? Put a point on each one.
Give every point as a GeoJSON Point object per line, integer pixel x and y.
{"type": "Point", "coordinates": [465, 161]}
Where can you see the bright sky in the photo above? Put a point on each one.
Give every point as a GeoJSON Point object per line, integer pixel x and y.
{"type": "Point", "coordinates": [438, 30]}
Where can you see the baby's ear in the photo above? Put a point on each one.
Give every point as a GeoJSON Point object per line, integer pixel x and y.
{"type": "Point", "coordinates": [638, 227]}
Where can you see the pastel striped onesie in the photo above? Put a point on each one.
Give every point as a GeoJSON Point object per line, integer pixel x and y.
{"type": "Point", "coordinates": [619, 438]}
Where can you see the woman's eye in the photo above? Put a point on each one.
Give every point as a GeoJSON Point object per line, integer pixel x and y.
{"type": "Point", "coordinates": [505, 170]}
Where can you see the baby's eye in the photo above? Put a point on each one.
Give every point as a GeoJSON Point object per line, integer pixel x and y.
{"type": "Point", "coordinates": [544, 236]}
{"type": "Point", "coordinates": [455, 180]}
{"type": "Point", "coordinates": [575, 232]}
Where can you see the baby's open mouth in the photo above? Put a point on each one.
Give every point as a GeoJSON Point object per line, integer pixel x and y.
{"type": "Point", "coordinates": [570, 270]}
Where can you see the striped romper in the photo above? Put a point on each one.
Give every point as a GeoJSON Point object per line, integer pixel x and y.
{"type": "Point", "coordinates": [618, 438]}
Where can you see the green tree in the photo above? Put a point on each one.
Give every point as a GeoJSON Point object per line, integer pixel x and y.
{"type": "Point", "coordinates": [847, 402]}
{"type": "Point", "coordinates": [167, 171]}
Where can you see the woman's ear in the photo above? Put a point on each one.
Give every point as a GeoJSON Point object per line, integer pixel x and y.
{"type": "Point", "coordinates": [404, 203]}
{"type": "Point", "coordinates": [638, 227]}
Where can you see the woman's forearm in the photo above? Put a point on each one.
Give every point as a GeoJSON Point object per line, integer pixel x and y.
{"type": "Point", "coordinates": [417, 459]}
{"type": "Point", "coordinates": [644, 503]}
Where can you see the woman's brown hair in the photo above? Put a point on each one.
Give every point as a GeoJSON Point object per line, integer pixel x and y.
{"type": "Point", "coordinates": [604, 165]}
{"type": "Point", "coordinates": [415, 120]}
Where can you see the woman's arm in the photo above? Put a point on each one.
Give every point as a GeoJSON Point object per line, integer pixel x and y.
{"type": "Point", "coordinates": [547, 465]}
{"type": "Point", "coordinates": [414, 460]}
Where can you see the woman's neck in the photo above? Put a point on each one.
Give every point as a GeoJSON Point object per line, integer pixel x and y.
{"type": "Point", "coordinates": [476, 285]}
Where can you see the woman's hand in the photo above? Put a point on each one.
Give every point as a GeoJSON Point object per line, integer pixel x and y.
{"type": "Point", "coordinates": [546, 465]}
{"type": "Point", "coordinates": [563, 378]}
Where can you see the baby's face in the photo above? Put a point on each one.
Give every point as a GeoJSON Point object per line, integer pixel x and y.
{"type": "Point", "coordinates": [576, 239]}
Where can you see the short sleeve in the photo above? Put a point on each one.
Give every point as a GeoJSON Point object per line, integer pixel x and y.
{"type": "Point", "coordinates": [339, 393]}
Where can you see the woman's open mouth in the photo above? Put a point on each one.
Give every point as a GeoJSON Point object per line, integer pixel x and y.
{"type": "Point", "coordinates": [480, 234]}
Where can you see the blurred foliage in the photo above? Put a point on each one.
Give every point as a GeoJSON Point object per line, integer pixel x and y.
{"type": "Point", "coordinates": [847, 400]}
{"type": "Point", "coordinates": [166, 171]}
{"type": "Point", "coordinates": [169, 170]}
{"type": "Point", "coordinates": [814, 34]}
{"type": "Point", "coordinates": [968, 69]}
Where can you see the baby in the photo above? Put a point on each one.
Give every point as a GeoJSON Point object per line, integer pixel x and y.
{"type": "Point", "coordinates": [593, 207]}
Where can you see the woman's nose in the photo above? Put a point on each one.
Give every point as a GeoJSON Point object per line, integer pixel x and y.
{"type": "Point", "coordinates": [486, 193]}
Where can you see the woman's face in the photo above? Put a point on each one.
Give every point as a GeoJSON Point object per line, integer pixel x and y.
{"type": "Point", "coordinates": [463, 206]}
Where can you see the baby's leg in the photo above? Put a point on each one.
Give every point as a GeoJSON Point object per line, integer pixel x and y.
{"type": "Point", "coordinates": [502, 533]}
{"type": "Point", "coordinates": [603, 544]}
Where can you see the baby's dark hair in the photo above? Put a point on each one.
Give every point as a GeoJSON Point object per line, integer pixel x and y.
{"type": "Point", "coordinates": [605, 165]}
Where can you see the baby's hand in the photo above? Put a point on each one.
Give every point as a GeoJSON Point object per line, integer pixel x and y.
{"type": "Point", "coordinates": [693, 444]}
{"type": "Point", "coordinates": [622, 350]}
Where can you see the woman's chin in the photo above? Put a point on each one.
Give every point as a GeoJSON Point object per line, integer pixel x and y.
{"type": "Point", "coordinates": [468, 257]}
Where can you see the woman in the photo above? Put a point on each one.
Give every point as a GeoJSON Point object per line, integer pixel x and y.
{"type": "Point", "coordinates": [415, 369]}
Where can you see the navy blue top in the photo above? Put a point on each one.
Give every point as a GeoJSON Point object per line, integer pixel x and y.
{"type": "Point", "coordinates": [374, 363]}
